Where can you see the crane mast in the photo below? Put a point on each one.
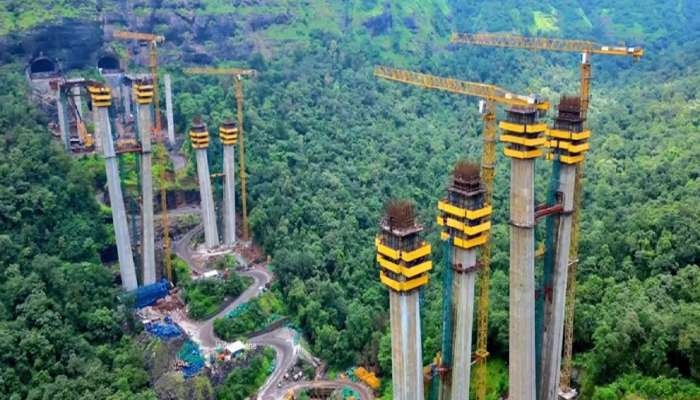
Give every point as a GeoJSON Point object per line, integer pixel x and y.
{"type": "Point", "coordinates": [492, 95]}
{"type": "Point", "coordinates": [488, 172]}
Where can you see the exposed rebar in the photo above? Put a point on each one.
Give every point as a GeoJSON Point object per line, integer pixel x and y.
{"type": "Point", "coordinates": [198, 124]}
{"type": "Point", "coordinates": [569, 110]}
{"type": "Point", "coordinates": [466, 175]}
{"type": "Point", "coordinates": [400, 214]}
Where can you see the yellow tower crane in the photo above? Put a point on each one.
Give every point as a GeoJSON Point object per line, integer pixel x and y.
{"type": "Point", "coordinates": [238, 74]}
{"type": "Point", "coordinates": [586, 48]}
{"type": "Point", "coordinates": [153, 41]}
{"type": "Point", "coordinates": [492, 95]}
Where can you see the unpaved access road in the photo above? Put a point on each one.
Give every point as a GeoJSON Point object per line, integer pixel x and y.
{"type": "Point", "coordinates": [282, 340]}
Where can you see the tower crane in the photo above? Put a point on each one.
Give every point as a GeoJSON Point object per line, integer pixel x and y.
{"type": "Point", "coordinates": [238, 74]}
{"type": "Point", "coordinates": [153, 41]}
{"type": "Point", "coordinates": [492, 95]}
{"type": "Point", "coordinates": [587, 49]}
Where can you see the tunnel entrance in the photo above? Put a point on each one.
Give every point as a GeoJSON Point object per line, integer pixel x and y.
{"type": "Point", "coordinates": [43, 67]}
{"type": "Point", "coordinates": [108, 63]}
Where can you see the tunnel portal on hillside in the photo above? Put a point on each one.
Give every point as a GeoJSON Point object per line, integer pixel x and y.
{"type": "Point", "coordinates": [43, 67]}
{"type": "Point", "coordinates": [108, 62]}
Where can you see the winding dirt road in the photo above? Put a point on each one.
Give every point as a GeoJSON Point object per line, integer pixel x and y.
{"type": "Point", "coordinates": [282, 340]}
{"type": "Point", "coordinates": [205, 329]}
{"type": "Point", "coordinates": [286, 355]}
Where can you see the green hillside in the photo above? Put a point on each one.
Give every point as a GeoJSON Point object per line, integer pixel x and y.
{"type": "Point", "coordinates": [329, 145]}
{"type": "Point", "coordinates": [62, 333]}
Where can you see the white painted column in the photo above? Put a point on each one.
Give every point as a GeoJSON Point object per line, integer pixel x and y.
{"type": "Point", "coordinates": [169, 109]}
{"type": "Point", "coordinates": [406, 346]}
{"type": "Point", "coordinates": [78, 101]}
{"type": "Point", "coordinates": [126, 99]}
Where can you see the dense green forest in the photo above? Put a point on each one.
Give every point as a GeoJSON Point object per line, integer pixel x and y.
{"type": "Point", "coordinates": [250, 317]}
{"type": "Point", "coordinates": [205, 297]}
{"type": "Point", "coordinates": [328, 145]}
{"type": "Point", "coordinates": [244, 382]}
{"type": "Point", "coordinates": [62, 333]}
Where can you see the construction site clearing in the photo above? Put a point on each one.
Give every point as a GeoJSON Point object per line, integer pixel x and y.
{"type": "Point", "coordinates": [166, 319]}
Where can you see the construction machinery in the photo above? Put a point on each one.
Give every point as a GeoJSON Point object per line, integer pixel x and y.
{"type": "Point", "coordinates": [67, 101]}
{"type": "Point", "coordinates": [368, 378]}
{"type": "Point", "coordinates": [86, 139]}
{"type": "Point", "coordinates": [153, 41]}
{"type": "Point", "coordinates": [491, 95]}
{"type": "Point", "coordinates": [237, 74]}
{"type": "Point", "coordinates": [587, 49]}
{"type": "Point", "coordinates": [127, 145]}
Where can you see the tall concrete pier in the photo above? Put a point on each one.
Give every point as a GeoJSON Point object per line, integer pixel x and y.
{"type": "Point", "coordinates": [78, 100]}
{"type": "Point", "coordinates": [126, 100]}
{"type": "Point", "coordinates": [404, 261]}
{"type": "Point", "coordinates": [199, 135]}
{"type": "Point", "coordinates": [62, 116]}
{"type": "Point", "coordinates": [523, 136]}
{"type": "Point", "coordinates": [143, 97]}
{"type": "Point", "coordinates": [169, 109]}
{"type": "Point", "coordinates": [101, 101]}
{"type": "Point", "coordinates": [569, 141]}
{"type": "Point", "coordinates": [228, 133]}
{"type": "Point", "coordinates": [465, 220]}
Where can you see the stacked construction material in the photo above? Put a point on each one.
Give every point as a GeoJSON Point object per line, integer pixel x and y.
{"type": "Point", "coordinates": [192, 360]}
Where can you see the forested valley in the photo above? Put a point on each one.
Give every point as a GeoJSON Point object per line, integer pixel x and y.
{"type": "Point", "coordinates": [62, 331]}
{"type": "Point", "coordinates": [328, 145]}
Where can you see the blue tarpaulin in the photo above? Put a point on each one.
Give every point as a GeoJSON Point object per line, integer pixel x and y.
{"type": "Point", "coordinates": [164, 330]}
{"type": "Point", "coordinates": [149, 294]}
